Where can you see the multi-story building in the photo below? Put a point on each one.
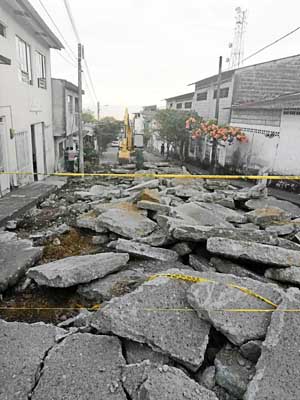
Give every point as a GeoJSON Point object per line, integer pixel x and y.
{"type": "Point", "coordinates": [181, 102]}
{"type": "Point", "coordinates": [246, 84]}
{"type": "Point", "coordinates": [65, 118]}
{"type": "Point", "coordinates": [26, 135]}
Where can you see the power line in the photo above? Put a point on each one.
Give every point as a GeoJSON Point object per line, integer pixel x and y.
{"type": "Point", "coordinates": [67, 60]}
{"type": "Point", "coordinates": [68, 8]}
{"type": "Point", "coordinates": [90, 78]}
{"type": "Point", "coordinates": [69, 11]}
{"type": "Point", "coordinates": [58, 30]}
{"type": "Point", "coordinates": [271, 44]}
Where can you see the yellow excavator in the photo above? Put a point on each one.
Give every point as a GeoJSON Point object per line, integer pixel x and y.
{"type": "Point", "coordinates": [126, 146]}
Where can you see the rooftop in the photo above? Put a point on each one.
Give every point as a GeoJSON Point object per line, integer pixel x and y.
{"type": "Point", "coordinates": [186, 96]}
{"type": "Point", "coordinates": [28, 17]}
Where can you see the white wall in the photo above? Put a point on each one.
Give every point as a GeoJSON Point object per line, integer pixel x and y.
{"type": "Point", "coordinates": [28, 103]}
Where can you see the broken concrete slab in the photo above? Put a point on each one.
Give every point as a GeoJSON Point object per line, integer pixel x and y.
{"type": "Point", "coordinates": [72, 271]}
{"type": "Point", "coordinates": [226, 213]}
{"type": "Point", "coordinates": [126, 223]}
{"type": "Point", "coordinates": [16, 257]}
{"type": "Point", "coordinates": [139, 352]}
{"type": "Point", "coordinates": [200, 233]}
{"type": "Point", "coordinates": [157, 238]}
{"type": "Point", "coordinates": [83, 366]}
{"type": "Point", "coordinates": [152, 206]}
{"type": "Point", "coordinates": [138, 316]}
{"type": "Point", "coordinates": [267, 216]}
{"type": "Point", "coordinates": [277, 370]}
{"type": "Point", "coordinates": [89, 221]}
{"type": "Point", "coordinates": [227, 267]}
{"type": "Point", "coordinates": [288, 244]}
{"type": "Point", "coordinates": [281, 229]}
{"type": "Point", "coordinates": [290, 275]}
{"type": "Point", "coordinates": [286, 206]}
{"type": "Point", "coordinates": [122, 282]}
{"type": "Point", "coordinates": [219, 294]}
{"type": "Point", "coordinates": [260, 253]}
{"type": "Point", "coordinates": [147, 381]}
{"type": "Point", "coordinates": [113, 285]}
{"type": "Point", "coordinates": [255, 192]}
{"type": "Point", "coordinates": [148, 195]}
{"type": "Point", "coordinates": [153, 184]}
{"type": "Point", "coordinates": [146, 251]}
{"type": "Point", "coordinates": [252, 350]}
{"type": "Point", "coordinates": [200, 214]}
{"type": "Point", "coordinates": [233, 372]}
{"type": "Point", "coordinates": [23, 348]}
{"type": "Point", "coordinates": [208, 377]}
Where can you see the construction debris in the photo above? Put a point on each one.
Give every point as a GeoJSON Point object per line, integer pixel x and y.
{"type": "Point", "coordinates": [173, 289]}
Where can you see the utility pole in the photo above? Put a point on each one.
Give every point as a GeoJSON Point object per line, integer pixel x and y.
{"type": "Point", "coordinates": [98, 110]}
{"type": "Point", "coordinates": [217, 112]}
{"type": "Point", "coordinates": [80, 132]}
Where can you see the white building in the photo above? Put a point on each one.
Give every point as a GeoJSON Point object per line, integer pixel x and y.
{"type": "Point", "coordinates": [26, 131]}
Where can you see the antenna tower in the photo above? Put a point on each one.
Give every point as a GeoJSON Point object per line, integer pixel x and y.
{"type": "Point", "coordinates": [237, 47]}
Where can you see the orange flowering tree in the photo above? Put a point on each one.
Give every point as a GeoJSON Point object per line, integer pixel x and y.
{"type": "Point", "coordinates": [214, 131]}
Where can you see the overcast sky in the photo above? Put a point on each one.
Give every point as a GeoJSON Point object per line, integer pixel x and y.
{"type": "Point", "coordinates": [142, 51]}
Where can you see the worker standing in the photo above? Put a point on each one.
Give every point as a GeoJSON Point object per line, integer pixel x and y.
{"type": "Point", "coordinates": [162, 149]}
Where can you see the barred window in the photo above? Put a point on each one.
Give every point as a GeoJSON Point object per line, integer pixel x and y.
{"type": "Point", "coordinates": [201, 96]}
{"type": "Point", "coordinates": [179, 106]}
{"type": "Point", "coordinates": [188, 104]}
{"type": "Point", "coordinates": [224, 92]}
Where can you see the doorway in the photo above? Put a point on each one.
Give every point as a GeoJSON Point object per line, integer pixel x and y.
{"type": "Point", "coordinates": [4, 179]}
{"type": "Point", "coordinates": [38, 151]}
{"type": "Point", "coordinates": [34, 158]}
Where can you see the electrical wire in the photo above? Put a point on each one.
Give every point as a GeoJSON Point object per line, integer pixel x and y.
{"type": "Point", "coordinates": [69, 12]}
{"type": "Point", "coordinates": [72, 54]}
{"type": "Point", "coordinates": [271, 44]}
{"type": "Point", "coordinates": [67, 60]}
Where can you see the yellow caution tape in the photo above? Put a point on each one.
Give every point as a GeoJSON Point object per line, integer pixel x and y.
{"type": "Point", "coordinates": [194, 279]}
{"type": "Point", "coordinates": [152, 175]}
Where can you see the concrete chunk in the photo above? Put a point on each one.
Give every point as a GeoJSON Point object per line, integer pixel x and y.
{"type": "Point", "coordinates": [277, 370]}
{"type": "Point", "coordinates": [146, 251]}
{"type": "Point", "coordinates": [138, 316]}
{"type": "Point", "coordinates": [72, 271]}
{"type": "Point", "coordinates": [290, 275]}
{"type": "Point", "coordinates": [146, 381]}
{"type": "Point", "coordinates": [16, 256]}
{"type": "Point", "coordinates": [286, 206]}
{"type": "Point", "coordinates": [138, 352]}
{"type": "Point", "coordinates": [85, 367]}
{"type": "Point", "coordinates": [152, 206]}
{"type": "Point", "coordinates": [201, 214]}
{"type": "Point", "coordinates": [239, 328]}
{"type": "Point", "coordinates": [202, 233]}
{"type": "Point", "coordinates": [267, 216]}
{"type": "Point", "coordinates": [261, 253]}
{"type": "Point", "coordinates": [127, 223]}
{"type": "Point", "coordinates": [22, 350]}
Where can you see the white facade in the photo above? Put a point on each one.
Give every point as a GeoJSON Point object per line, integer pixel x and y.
{"type": "Point", "coordinates": [26, 134]}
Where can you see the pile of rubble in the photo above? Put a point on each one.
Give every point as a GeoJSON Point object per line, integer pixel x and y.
{"type": "Point", "coordinates": [194, 279]}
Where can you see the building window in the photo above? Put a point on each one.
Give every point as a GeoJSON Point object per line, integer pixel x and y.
{"type": "Point", "coordinates": [41, 70]}
{"type": "Point", "coordinates": [24, 59]}
{"type": "Point", "coordinates": [76, 105]}
{"type": "Point", "coordinates": [70, 104]}
{"type": "Point", "coordinates": [171, 105]}
{"type": "Point", "coordinates": [179, 106]}
{"type": "Point", "coordinates": [201, 96]}
{"type": "Point", "coordinates": [188, 104]}
{"type": "Point", "coordinates": [2, 30]}
{"type": "Point", "coordinates": [224, 92]}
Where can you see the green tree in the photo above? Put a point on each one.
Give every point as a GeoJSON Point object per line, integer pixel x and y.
{"type": "Point", "coordinates": [88, 116]}
{"type": "Point", "coordinates": [107, 130]}
{"type": "Point", "coordinates": [172, 130]}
